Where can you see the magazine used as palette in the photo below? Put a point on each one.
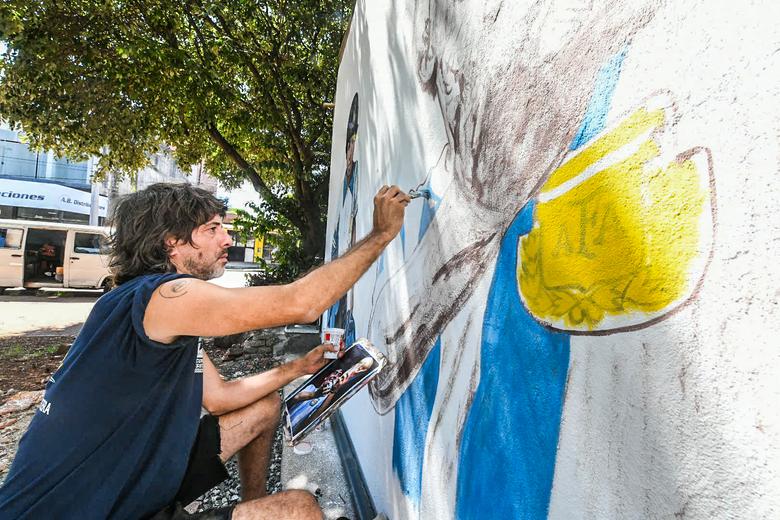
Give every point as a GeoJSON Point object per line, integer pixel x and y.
{"type": "Point", "coordinates": [322, 394]}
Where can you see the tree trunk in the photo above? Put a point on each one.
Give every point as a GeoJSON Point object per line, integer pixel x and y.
{"type": "Point", "coordinates": [313, 235]}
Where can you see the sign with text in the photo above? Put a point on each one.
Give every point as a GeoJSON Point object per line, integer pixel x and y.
{"type": "Point", "coordinates": [47, 196]}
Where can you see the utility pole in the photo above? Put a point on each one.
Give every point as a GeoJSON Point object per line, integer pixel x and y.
{"type": "Point", "coordinates": [94, 201]}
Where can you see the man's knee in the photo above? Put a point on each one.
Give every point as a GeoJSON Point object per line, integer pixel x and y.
{"type": "Point", "coordinates": [273, 404]}
{"type": "Point", "coordinates": [266, 411]}
{"type": "Point", "coordinates": [274, 401]}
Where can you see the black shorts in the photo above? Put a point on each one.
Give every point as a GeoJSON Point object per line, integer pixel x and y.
{"type": "Point", "coordinates": [204, 471]}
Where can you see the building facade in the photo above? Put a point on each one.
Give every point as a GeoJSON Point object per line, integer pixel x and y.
{"type": "Point", "coordinates": [40, 186]}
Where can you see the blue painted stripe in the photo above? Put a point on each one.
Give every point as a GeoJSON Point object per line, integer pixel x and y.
{"type": "Point", "coordinates": [414, 408]}
{"type": "Point", "coordinates": [412, 415]}
{"type": "Point", "coordinates": [510, 438]}
{"type": "Point", "coordinates": [595, 118]}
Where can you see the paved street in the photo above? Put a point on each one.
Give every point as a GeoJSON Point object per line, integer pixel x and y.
{"type": "Point", "coordinates": [64, 315]}
{"type": "Point", "coordinates": [43, 315]}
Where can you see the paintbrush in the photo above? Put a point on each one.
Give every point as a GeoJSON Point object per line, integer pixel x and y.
{"type": "Point", "coordinates": [424, 193]}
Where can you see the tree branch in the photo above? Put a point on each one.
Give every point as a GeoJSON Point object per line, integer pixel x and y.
{"type": "Point", "coordinates": [257, 182]}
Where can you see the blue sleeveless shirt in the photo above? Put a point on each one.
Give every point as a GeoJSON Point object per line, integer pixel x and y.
{"type": "Point", "coordinates": [112, 437]}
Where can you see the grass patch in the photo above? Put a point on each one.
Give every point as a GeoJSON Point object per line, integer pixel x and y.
{"type": "Point", "coordinates": [13, 351]}
{"type": "Point", "coordinates": [24, 350]}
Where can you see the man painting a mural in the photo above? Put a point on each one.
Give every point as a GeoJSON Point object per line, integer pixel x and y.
{"type": "Point", "coordinates": [137, 422]}
{"type": "Point", "coordinates": [554, 296]}
{"type": "Point", "coordinates": [340, 315]}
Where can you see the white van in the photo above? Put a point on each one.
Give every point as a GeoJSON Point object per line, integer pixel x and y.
{"type": "Point", "coordinates": [50, 254]}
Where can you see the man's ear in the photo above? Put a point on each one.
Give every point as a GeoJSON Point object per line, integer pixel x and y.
{"type": "Point", "coordinates": [170, 246]}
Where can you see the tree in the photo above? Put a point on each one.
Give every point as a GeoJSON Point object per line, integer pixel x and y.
{"type": "Point", "coordinates": [239, 84]}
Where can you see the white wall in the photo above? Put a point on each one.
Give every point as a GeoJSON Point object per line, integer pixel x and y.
{"type": "Point", "coordinates": [598, 308]}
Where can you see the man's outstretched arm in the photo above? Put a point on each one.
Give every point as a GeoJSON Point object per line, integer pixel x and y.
{"type": "Point", "coordinates": [191, 307]}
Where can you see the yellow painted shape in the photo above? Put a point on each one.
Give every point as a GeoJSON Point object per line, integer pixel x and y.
{"type": "Point", "coordinates": [631, 128]}
{"type": "Point", "coordinates": [620, 242]}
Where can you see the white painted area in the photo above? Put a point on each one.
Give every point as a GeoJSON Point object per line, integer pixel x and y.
{"type": "Point", "coordinates": [682, 418]}
{"type": "Point", "coordinates": [676, 420]}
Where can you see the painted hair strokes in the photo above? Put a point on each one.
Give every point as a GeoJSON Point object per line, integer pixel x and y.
{"type": "Point", "coordinates": [580, 312]}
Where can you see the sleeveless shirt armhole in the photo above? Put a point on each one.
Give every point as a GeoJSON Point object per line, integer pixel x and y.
{"type": "Point", "coordinates": [141, 299]}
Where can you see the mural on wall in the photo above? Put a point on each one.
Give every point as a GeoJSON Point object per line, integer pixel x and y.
{"type": "Point", "coordinates": [600, 203]}
{"type": "Point", "coordinates": [619, 237]}
{"type": "Point", "coordinates": [503, 139]}
{"type": "Point", "coordinates": [632, 240]}
{"type": "Point", "coordinates": [625, 241]}
{"type": "Point", "coordinates": [553, 214]}
{"type": "Point", "coordinates": [340, 315]}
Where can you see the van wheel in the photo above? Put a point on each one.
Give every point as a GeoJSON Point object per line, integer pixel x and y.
{"type": "Point", "coordinates": [107, 285]}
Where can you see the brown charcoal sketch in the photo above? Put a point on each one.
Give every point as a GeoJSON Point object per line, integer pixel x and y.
{"type": "Point", "coordinates": [510, 107]}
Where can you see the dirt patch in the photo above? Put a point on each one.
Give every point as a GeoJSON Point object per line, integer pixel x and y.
{"type": "Point", "coordinates": [26, 362]}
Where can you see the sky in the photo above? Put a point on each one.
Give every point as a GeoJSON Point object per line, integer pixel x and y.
{"type": "Point", "coordinates": [238, 198]}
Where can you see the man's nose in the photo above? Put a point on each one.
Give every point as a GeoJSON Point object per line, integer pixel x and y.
{"type": "Point", "coordinates": [226, 240]}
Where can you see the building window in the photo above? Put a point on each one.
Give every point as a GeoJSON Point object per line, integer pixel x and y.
{"type": "Point", "coordinates": [16, 159]}
{"type": "Point", "coordinates": [37, 214]}
{"type": "Point", "coordinates": [53, 215]}
{"type": "Point", "coordinates": [65, 170]}
{"type": "Point", "coordinates": [11, 238]}
{"type": "Point", "coordinates": [73, 218]}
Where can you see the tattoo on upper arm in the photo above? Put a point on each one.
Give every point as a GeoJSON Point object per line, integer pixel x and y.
{"type": "Point", "coordinates": [176, 289]}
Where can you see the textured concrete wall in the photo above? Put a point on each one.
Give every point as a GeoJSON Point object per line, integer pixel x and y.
{"type": "Point", "coordinates": [581, 316]}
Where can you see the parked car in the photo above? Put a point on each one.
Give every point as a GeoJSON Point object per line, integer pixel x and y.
{"type": "Point", "coordinates": [50, 254]}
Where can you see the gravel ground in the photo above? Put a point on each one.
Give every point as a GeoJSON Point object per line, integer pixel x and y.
{"type": "Point", "coordinates": [15, 415]}
{"type": "Point", "coordinates": [229, 491]}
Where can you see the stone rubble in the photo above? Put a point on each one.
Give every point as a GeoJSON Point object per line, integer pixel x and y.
{"type": "Point", "coordinates": [16, 412]}
{"type": "Point", "coordinates": [21, 401]}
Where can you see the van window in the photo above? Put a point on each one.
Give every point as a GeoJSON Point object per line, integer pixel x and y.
{"type": "Point", "coordinates": [88, 243]}
{"type": "Point", "coordinates": [11, 238]}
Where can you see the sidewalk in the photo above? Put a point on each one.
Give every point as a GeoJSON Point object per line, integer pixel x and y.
{"type": "Point", "coordinates": [43, 315]}
{"type": "Point", "coordinates": [320, 471]}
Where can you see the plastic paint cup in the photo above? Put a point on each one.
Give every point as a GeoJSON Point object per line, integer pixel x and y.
{"type": "Point", "coordinates": [334, 337]}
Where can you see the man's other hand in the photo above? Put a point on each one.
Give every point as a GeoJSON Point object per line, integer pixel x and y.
{"type": "Point", "coordinates": [389, 207]}
{"type": "Point", "coordinates": [316, 359]}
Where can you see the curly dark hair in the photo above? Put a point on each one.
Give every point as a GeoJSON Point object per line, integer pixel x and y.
{"type": "Point", "coordinates": [141, 222]}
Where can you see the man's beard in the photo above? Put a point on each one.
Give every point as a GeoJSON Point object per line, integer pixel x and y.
{"type": "Point", "coordinates": [202, 270]}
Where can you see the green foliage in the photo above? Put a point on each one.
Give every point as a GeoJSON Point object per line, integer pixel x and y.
{"type": "Point", "coordinates": [239, 84]}
{"type": "Point", "coordinates": [278, 232]}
